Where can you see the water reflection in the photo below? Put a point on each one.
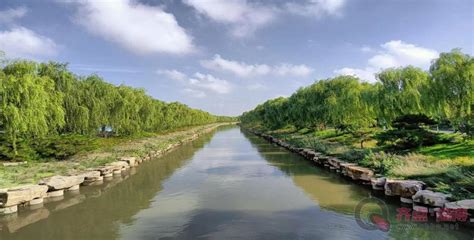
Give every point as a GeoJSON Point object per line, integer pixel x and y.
{"type": "Point", "coordinates": [227, 185]}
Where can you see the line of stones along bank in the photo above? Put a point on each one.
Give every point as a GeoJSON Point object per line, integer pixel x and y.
{"type": "Point", "coordinates": [409, 191]}
{"type": "Point", "coordinates": [54, 187]}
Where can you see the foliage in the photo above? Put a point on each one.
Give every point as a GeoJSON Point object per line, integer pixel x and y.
{"type": "Point", "coordinates": [44, 101]}
{"type": "Point", "coordinates": [381, 162]}
{"type": "Point", "coordinates": [345, 103]}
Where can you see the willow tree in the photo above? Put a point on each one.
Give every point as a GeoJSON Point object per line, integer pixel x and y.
{"type": "Point", "coordinates": [30, 105]}
{"type": "Point", "coordinates": [402, 91]}
{"type": "Point", "coordinates": [452, 76]}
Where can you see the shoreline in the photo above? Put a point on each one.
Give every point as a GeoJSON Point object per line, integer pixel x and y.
{"type": "Point", "coordinates": [411, 193]}
{"type": "Point", "coordinates": [53, 187]}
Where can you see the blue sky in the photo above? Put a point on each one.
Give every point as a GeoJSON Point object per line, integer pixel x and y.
{"type": "Point", "coordinates": [227, 56]}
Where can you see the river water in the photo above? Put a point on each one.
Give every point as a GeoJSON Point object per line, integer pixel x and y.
{"type": "Point", "coordinates": [228, 184]}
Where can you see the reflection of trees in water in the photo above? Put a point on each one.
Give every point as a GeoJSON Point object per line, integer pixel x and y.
{"type": "Point", "coordinates": [334, 193]}
{"type": "Point", "coordinates": [107, 206]}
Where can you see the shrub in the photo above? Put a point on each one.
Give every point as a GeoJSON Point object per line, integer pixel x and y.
{"type": "Point", "coordinates": [62, 147]}
{"type": "Point", "coordinates": [381, 162]}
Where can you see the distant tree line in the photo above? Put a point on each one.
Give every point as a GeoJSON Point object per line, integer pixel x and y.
{"type": "Point", "coordinates": [444, 93]}
{"type": "Point", "coordinates": [45, 99]}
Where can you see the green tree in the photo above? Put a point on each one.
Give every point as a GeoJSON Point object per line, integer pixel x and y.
{"type": "Point", "coordinates": [30, 105]}
{"type": "Point", "coordinates": [452, 80]}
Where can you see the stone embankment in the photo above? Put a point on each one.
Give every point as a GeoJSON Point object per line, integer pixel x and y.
{"type": "Point", "coordinates": [410, 192]}
{"type": "Point", "coordinates": [53, 188]}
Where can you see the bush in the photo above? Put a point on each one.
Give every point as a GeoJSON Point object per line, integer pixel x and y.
{"type": "Point", "coordinates": [355, 155]}
{"type": "Point", "coordinates": [62, 147]}
{"type": "Point", "coordinates": [381, 162]}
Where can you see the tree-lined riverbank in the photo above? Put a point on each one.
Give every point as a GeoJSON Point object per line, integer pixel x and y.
{"type": "Point", "coordinates": [390, 126]}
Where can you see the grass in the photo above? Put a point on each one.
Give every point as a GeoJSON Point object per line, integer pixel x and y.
{"type": "Point", "coordinates": [107, 151]}
{"type": "Point", "coordinates": [446, 167]}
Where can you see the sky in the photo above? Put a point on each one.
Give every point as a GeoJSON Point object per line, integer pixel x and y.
{"type": "Point", "coordinates": [227, 56]}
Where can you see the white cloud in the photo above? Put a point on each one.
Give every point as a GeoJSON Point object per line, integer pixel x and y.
{"type": "Point", "coordinates": [140, 28]}
{"type": "Point", "coordinates": [292, 70]}
{"type": "Point", "coordinates": [398, 53]}
{"type": "Point", "coordinates": [243, 17]}
{"type": "Point", "coordinates": [195, 93]}
{"type": "Point", "coordinates": [255, 86]}
{"type": "Point", "coordinates": [172, 74]}
{"type": "Point", "coordinates": [394, 53]}
{"type": "Point", "coordinates": [20, 42]}
{"type": "Point", "coordinates": [211, 83]}
{"type": "Point", "coordinates": [317, 8]}
{"type": "Point", "coordinates": [366, 74]}
{"type": "Point", "coordinates": [243, 69]}
{"type": "Point", "coordinates": [366, 49]}
{"type": "Point", "coordinates": [11, 14]}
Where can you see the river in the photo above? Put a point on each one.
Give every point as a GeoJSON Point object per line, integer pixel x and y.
{"type": "Point", "coordinates": [228, 184]}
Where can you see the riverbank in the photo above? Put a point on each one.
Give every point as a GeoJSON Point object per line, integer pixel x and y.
{"type": "Point", "coordinates": [412, 191]}
{"type": "Point", "coordinates": [33, 171]}
{"type": "Point", "coordinates": [31, 183]}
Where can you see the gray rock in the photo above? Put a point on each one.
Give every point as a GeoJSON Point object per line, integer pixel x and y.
{"type": "Point", "coordinates": [403, 188]}
{"type": "Point", "coordinates": [20, 195]}
{"type": "Point", "coordinates": [61, 182]}
{"type": "Point", "coordinates": [359, 173]}
{"type": "Point", "coordinates": [131, 161]}
{"type": "Point", "coordinates": [435, 199]}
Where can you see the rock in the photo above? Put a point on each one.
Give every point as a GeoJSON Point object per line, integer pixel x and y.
{"type": "Point", "coordinates": [335, 162]}
{"type": "Point", "coordinates": [359, 173]}
{"type": "Point", "coordinates": [56, 193]}
{"type": "Point", "coordinates": [8, 210]}
{"type": "Point", "coordinates": [466, 204]}
{"type": "Point", "coordinates": [20, 195]}
{"type": "Point", "coordinates": [322, 159]}
{"type": "Point", "coordinates": [403, 188]}
{"type": "Point", "coordinates": [378, 183]}
{"type": "Point", "coordinates": [117, 165]}
{"type": "Point", "coordinates": [406, 200]}
{"type": "Point", "coordinates": [132, 161]}
{"type": "Point", "coordinates": [73, 188]}
{"type": "Point", "coordinates": [61, 182]}
{"type": "Point", "coordinates": [343, 167]}
{"type": "Point", "coordinates": [91, 176]}
{"type": "Point", "coordinates": [36, 201]}
{"type": "Point", "coordinates": [435, 199]}
{"type": "Point", "coordinates": [106, 170]}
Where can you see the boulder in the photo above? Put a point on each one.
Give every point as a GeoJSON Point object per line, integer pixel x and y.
{"type": "Point", "coordinates": [435, 199]}
{"type": "Point", "coordinates": [343, 167]}
{"type": "Point", "coordinates": [335, 162]}
{"type": "Point", "coordinates": [131, 161]}
{"type": "Point", "coordinates": [359, 173]}
{"type": "Point", "coordinates": [403, 188]}
{"type": "Point", "coordinates": [118, 165]}
{"type": "Point", "coordinates": [91, 176]}
{"type": "Point", "coordinates": [465, 204]}
{"type": "Point", "coordinates": [20, 195]}
{"type": "Point", "coordinates": [106, 170]}
{"type": "Point", "coordinates": [61, 182]}
{"type": "Point", "coordinates": [378, 183]}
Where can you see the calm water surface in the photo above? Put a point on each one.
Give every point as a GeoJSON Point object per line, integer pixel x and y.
{"type": "Point", "coordinates": [226, 185]}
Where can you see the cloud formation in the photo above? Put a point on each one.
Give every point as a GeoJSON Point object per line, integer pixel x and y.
{"type": "Point", "coordinates": [11, 14]}
{"type": "Point", "coordinates": [21, 42]}
{"type": "Point", "coordinates": [317, 8]}
{"type": "Point", "coordinates": [243, 17]}
{"type": "Point", "coordinates": [172, 74]}
{"type": "Point", "coordinates": [199, 84]}
{"type": "Point", "coordinates": [394, 53]}
{"type": "Point", "coordinates": [243, 69]}
{"type": "Point", "coordinates": [142, 29]}
{"type": "Point", "coordinates": [246, 17]}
